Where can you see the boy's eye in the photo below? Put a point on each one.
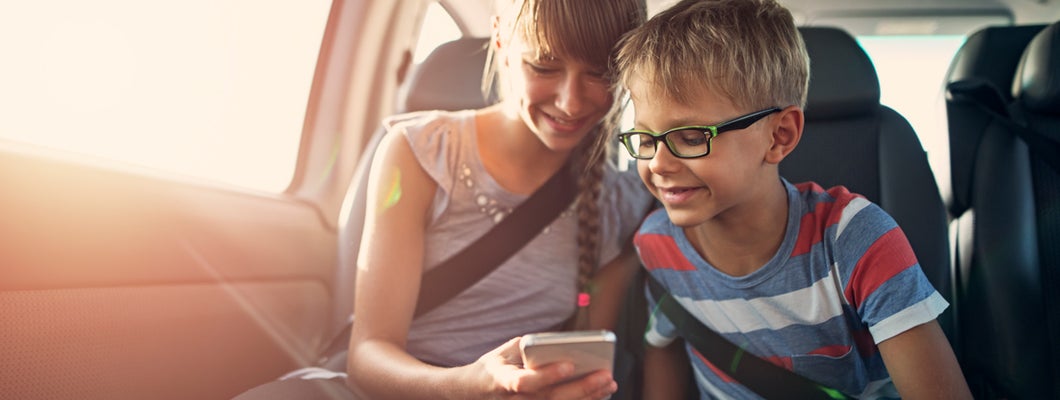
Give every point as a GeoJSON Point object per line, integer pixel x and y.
{"type": "Point", "coordinates": [644, 142]}
{"type": "Point", "coordinates": [691, 138]}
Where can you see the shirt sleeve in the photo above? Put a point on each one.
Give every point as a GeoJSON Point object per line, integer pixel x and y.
{"type": "Point", "coordinates": [624, 203]}
{"type": "Point", "coordinates": [884, 281]}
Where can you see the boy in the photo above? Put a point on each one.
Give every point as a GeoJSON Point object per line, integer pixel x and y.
{"type": "Point", "coordinates": [821, 282]}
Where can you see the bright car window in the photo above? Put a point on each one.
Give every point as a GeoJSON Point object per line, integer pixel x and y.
{"type": "Point", "coordinates": [211, 89]}
{"type": "Point", "coordinates": [438, 28]}
{"type": "Point", "coordinates": [912, 71]}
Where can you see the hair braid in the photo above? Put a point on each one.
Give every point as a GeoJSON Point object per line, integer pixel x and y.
{"type": "Point", "coordinates": [589, 222]}
{"type": "Point", "coordinates": [589, 166]}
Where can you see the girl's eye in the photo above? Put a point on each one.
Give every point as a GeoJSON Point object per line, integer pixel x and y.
{"type": "Point", "coordinates": [539, 69]}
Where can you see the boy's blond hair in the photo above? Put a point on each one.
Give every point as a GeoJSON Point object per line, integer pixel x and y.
{"type": "Point", "coordinates": [746, 50]}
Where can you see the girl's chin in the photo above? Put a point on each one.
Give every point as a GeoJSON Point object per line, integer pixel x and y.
{"type": "Point", "coordinates": [560, 143]}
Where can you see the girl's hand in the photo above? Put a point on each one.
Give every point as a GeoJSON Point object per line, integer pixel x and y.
{"type": "Point", "coordinates": [508, 379]}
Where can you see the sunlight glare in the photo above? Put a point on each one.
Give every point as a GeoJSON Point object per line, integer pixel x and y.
{"type": "Point", "coordinates": [204, 89]}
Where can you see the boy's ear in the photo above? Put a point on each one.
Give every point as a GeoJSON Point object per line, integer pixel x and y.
{"type": "Point", "coordinates": [786, 134]}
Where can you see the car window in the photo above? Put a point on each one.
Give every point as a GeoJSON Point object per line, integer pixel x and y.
{"type": "Point", "coordinates": [912, 69]}
{"type": "Point", "coordinates": [438, 27]}
{"type": "Point", "coordinates": [209, 89]}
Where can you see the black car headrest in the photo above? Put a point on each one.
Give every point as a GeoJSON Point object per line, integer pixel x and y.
{"type": "Point", "coordinates": [450, 78]}
{"type": "Point", "coordinates": [992, 54]}
{"type": "Point", "coordinates": [843, 82]}
{"type": "Point", "coordinates": [1037, 82]}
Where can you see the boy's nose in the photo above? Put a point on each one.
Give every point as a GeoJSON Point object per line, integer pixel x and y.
{"type": "Point", "coordinates": [664, 161]}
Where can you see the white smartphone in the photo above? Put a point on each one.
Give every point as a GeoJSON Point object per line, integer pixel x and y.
{"type": "Point", "coordinates": [588, 350]}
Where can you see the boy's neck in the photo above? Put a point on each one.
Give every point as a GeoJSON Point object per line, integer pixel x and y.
{"type": "Point", "coordinates": [743, 240]}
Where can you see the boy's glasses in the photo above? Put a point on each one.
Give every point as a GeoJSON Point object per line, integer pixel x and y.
{"type": "Point", "coordinates": [685, 141]}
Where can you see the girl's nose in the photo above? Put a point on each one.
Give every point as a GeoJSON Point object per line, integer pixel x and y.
{"type": "Point", "coordinates": [571, 96]}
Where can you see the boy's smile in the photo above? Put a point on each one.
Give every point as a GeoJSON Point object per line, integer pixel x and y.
{"type": "Point", "coordinates": [675, 195]}
{"type": "Point", "coordinates": [724, 185]}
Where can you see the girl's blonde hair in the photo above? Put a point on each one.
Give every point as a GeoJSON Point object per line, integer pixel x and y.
{"type": "Point", "coordinates": [584, 31]}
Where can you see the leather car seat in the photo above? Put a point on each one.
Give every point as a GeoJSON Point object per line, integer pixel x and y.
{"type": "Point", "coordinates": [1007, 208]}
{"type": "Point", "coordinates": [850, 139]}
{"type": "Point", "coordinates": [448, 79]}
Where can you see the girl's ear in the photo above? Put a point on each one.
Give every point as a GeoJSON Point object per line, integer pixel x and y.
{"type": "Point", "coordinates": [786, 134]}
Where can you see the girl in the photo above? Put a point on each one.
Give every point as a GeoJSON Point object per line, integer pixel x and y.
{"type": "Point", "coordinates": [440, 180]}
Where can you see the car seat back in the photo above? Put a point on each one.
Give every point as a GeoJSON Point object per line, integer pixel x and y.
{"type": "Point", "coordinates": [448, 79]}
{"type": "Point", "coordinates": [850, 139]}
{"type": "Point", "coordinates": [1008, 229]}
{"type": "Point", "coordinates": [990, 54]}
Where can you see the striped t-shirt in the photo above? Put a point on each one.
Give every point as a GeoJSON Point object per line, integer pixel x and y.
{"type": "Point", "coordinates": [843, 280]}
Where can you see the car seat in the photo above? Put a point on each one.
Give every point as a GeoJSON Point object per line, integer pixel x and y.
{"type": "Point", "coordinates": [990, 54]}
{"type": "Point", "coordinates": [850, 139]}
{"type": "Point", "coordinates": [1007, 208]}
{"type": "Point", "coordinates": [449, 78]}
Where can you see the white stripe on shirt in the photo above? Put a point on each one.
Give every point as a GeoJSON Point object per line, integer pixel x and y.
{"type": "Point", "coordinates": [856, 205]}
{"type": "Point", "coordinates": [922, 312]}
{"type": "Point", "coordinates": [808, 306]}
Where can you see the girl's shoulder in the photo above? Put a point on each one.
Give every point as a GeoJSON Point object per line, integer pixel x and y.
{"type": "Point", "coordinates": [441, 141]}
{"type": "Point", "coordinates": [429, 122]}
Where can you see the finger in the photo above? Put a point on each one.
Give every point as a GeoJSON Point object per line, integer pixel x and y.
{"type": "Point", "coordinates": [597, 385]}
{"type": "Point", "coordinates": [510, 351]}
{"type": "Point", "coordinates": [507, 349]}
{"type": "Point", "coordinates": [535, 380]}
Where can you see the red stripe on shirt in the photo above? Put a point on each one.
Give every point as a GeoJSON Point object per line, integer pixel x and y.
{"type": "Point", "coordinates": [811, 229]}
{"type": "Point", "coordinates": [783, 362]}
{"type": "Point", "coordinates": [887, 257]}
{"type": "Point", "coordinates": [724, 377]}
{"type": "Point", "coordinates": [661, 252]}
{"type": "Point", "coordinates": [836, 350]}
{"type": "Point", "coordinates": [823, 215]}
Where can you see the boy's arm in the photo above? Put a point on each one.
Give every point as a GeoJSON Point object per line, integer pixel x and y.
{"type": "Point", "coordinates": [922, 364]}
{"type": "Point", "coordinates": [667, 371]}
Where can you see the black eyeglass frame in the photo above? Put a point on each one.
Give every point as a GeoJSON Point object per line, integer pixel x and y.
{"type": "Point", "coordinates": [710, 131]}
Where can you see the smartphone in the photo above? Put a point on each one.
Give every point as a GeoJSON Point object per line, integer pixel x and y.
{"type": "Point", "coordinates": [588, 350]}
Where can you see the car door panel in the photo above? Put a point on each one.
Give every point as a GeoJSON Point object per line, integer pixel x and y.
{"type": "Point", "coordinates": [125, 285]}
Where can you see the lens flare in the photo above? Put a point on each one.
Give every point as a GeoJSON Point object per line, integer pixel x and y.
{"type": "Point", "coordinates": [393, 195]}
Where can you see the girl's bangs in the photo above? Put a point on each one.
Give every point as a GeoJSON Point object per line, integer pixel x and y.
{"type": "Point", "coordinates": [559, 29]}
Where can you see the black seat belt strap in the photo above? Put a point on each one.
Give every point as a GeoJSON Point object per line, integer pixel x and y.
{"type": "Point", "coordinates": [488, 252]}
{"type": "Point", "coordinates": [985, 95]}
{"type": "Point", "coordinates": [491, 250]}
{"type": "Point", "coordinates": [760, 376]}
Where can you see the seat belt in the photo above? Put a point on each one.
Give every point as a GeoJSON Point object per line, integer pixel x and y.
{"type": "Point", "coordinates": [1046, 148]}
{"type": "Point", "coordinates": [985, 95]}
{"type": "Point", "coordinates": [489, 251]}
{"type": "Point", "coordinates": [760, 376]}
